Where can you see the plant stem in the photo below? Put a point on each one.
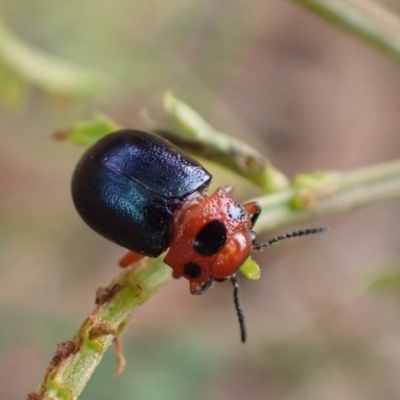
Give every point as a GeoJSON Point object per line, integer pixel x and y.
{"type": "Point", "coordinates": [202, 140]}
{"type": "Point", "coordinates": [344, 191]}
{"type": "Point", "coordinates": [368, 20]}
{"type": "Point", "coordinates": [76, 360]}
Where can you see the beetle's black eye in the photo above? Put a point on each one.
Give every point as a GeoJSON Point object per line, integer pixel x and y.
{"type": "Point", "coordinates": [210, 239]}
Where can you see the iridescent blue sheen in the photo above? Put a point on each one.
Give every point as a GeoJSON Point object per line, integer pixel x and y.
{"type": "Point", "coordinates": [127, 186]}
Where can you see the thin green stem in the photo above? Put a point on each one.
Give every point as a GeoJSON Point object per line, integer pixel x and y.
{"type": "Point", "coordinates": [76, 360]}
{"type": "Point", "coordinates": [201, 139]}
{"type": "Point", "coordinates": [340, 192]}
{"type": "Point", "coordinates": [368, 20]}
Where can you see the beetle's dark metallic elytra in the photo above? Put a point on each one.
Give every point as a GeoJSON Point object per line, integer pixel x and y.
{"type": "Point", "coordinates": [128, 185]}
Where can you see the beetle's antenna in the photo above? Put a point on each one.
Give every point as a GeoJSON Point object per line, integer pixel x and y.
{"type": "Point", "coordinates": [303, 232]}
{"type": "Point", "coordinates": [238, 308]}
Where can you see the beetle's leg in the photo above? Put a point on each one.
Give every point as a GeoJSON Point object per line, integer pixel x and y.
{"type": "Point", "coordinates": [129, 258]}
{"type": "Point", "coordinates": [253, 208]}
{"type": "Point", "coordinates": [199, 287]}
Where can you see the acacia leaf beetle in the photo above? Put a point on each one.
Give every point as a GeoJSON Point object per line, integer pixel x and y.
{"type": "Point", "coordinates": [143, 193]}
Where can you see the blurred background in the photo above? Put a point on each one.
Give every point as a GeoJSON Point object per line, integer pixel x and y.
{"type": "Point", "coordinates": [267, 71]}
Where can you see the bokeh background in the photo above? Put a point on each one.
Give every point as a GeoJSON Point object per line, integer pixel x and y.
{"type": "Point", "coordinates": [267, 71]}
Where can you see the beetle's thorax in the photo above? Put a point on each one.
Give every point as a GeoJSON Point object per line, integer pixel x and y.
{"type": "Point", "coordinates": [211, 237]}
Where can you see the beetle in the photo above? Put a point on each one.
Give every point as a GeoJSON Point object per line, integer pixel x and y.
{"type": "Point", "coordinates": [143, 193]}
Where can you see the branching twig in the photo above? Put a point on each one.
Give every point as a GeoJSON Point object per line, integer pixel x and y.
{"type": "Point", "coordinates": [76, 360]}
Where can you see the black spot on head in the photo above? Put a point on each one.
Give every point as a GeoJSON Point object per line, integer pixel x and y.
{"type": "Point", "coordinates": [192, 270]}
{"type": "Point", "coordinates": [211, 238]}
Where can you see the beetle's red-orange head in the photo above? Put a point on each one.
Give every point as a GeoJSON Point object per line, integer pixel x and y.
{"type": "Point", "coordinates": [212, 238]}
